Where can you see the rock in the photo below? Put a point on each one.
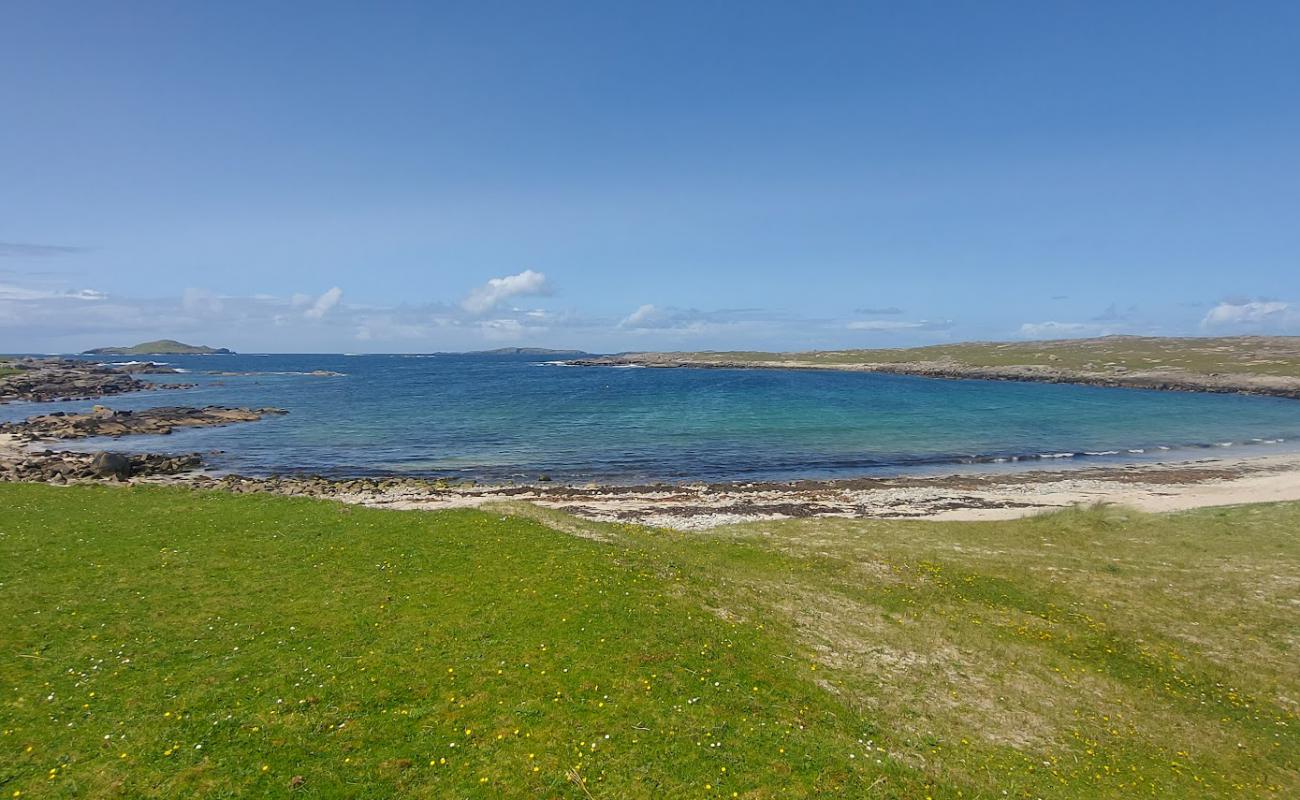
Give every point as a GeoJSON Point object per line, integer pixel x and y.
{"type": "Point", "coordinates": [64, 379]}
{"type": "Point", "coordinates": [110, 465]}
{"type": "Point", "coordinates": [103, 421]}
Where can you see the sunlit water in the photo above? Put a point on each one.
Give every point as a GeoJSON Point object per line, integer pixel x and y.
{"type": "Point", "coordinates": [506, 418]}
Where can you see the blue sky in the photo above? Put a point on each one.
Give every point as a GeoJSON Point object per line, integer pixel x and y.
{"type": "Point", "coordinates": [397, 177]}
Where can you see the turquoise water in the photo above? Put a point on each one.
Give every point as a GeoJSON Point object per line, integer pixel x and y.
{"type": "Point", "coordinates": [506, 417]}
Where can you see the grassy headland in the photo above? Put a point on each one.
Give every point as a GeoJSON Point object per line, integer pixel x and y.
{"type": "Point", "coordinates": [1262, 364]}
{"type": "Point", "coordinates": [165, 642]}
{"type": "Point", "coordinates": [158, 347]}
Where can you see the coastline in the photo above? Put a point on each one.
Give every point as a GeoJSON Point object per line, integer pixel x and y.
{"type": "Point", "coordinates": [1152, 379]}
{"type": "Point", "coordinates": [971, 496]}
{"type": "Point", "coordinates": [1159, 487]}
{"type": "Point", "coordinates": [951, 491]}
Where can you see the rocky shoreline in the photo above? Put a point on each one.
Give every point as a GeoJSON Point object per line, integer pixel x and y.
{"type": "Point", "coordinates": [50, 466]}
{"type": "Point", "coordinates": [46, 379]}
{"type": "Point", "coordinates": [102, 421]}
{"type": "Point", "coordinates": [1157, 379]}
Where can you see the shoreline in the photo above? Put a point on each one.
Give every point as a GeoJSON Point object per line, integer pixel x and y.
{"type": "Point", "coordinates": [1162, 486]}
{"type": "Point", "coordinates": [1155, 380]}
{"type": "Point", "coordinates": [996, 489]}
{"type": "Point", "coordinates": [1159, 487]}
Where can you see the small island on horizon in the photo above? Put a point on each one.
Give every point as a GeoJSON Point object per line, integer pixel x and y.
{"type": "Point", "coordinates": [527, 351]}
{"type": "Point", "coordinates": [160, 347]}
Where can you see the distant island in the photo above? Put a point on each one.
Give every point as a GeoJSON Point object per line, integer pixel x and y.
{"type": "Point", "coordinates": [161, 347]}
{"type": "Point", "coordinates": [527, 351]}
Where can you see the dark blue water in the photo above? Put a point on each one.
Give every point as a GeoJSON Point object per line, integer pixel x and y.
{"type": "Point", "coordinates": [502, 418]}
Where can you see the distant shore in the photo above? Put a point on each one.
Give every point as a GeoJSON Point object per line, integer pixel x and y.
{"type": "Point", "coordinates": [1154, 379]}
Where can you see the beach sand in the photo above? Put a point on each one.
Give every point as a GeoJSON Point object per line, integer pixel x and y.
{"type": "Point", "coordinates": [1217, 480]}
{"type": "Point", "coordinates": [1174, 486]}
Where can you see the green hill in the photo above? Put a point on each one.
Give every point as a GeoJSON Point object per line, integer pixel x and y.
{"type": "Point", "coordinates": [172, 643]}
{"type": "Point", "coordinates": [161, 347]}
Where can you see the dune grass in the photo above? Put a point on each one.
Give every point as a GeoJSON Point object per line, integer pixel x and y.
{"type": "Point", "coordinates": [167, 643]}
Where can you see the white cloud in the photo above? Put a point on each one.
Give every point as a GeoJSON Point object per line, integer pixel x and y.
{"type": "Point", "coordinates": [324, 303]}
{"type": "Point", "coordinates": [201, 301]}
{"type": "Point", "coordinates": [1047, 330]}
{"type": "Point", "coordinates": [19, 293]}
{"type": "Point", "coordinates": [644, 317]}
{"type": "Point", "coordinates": [1251, 314]}
{"type": "Point", "coordinates": [495, 291]}
{"type": "Point", "coordinates": [505, 330]}
{"type": "Point", "coordinates": [895, 325]}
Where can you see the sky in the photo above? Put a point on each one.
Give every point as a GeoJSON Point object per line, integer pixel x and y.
{"type": "Point", "coordinates": [416, 177]}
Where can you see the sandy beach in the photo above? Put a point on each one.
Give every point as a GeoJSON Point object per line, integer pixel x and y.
{"type": "Point", "coordinates": [1174, 486]}
{"type": "Point", "coordinates": [1217, 480]}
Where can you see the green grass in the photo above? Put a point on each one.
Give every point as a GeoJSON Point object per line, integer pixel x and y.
{"type": "Point", "coordinates": [169, 643]}
{"type": "Point", "coordinates": [1240, 354]}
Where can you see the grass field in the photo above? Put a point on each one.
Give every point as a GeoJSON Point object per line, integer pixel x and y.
{"type": "Point", "coordinates": [1237, 354]}
{"type": "Point", "coordinates": [168, 643]}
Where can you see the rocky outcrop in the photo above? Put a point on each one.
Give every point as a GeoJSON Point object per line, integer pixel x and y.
{"type": "Point", "coordinates": [64, 379]}
{"type": "Point", "coordinates": [102, 421]}
{"type": "Point", "coordinates": [51, 466]}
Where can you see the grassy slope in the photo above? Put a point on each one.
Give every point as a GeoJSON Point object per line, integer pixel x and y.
{"type": "Point", "coordinates": [1087, 654]}
{"type": "Point", "coordinates": [1255, 355]}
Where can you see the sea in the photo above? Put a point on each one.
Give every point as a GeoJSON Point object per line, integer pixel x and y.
{"type": "Point", "coordinates": [504, 418]}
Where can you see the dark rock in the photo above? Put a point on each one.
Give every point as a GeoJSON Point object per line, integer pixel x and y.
{"type": "Point", "coordinates": [103, 421]}
{"type": "Point", "coordinates": [110, 465]}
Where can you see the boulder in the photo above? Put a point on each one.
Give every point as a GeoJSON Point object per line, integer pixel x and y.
{"type": "Point", "coordinates": [110, 465]}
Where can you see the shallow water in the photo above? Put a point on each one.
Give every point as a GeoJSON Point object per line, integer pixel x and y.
{"type": "Point", "coordinates": [514, 417]}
